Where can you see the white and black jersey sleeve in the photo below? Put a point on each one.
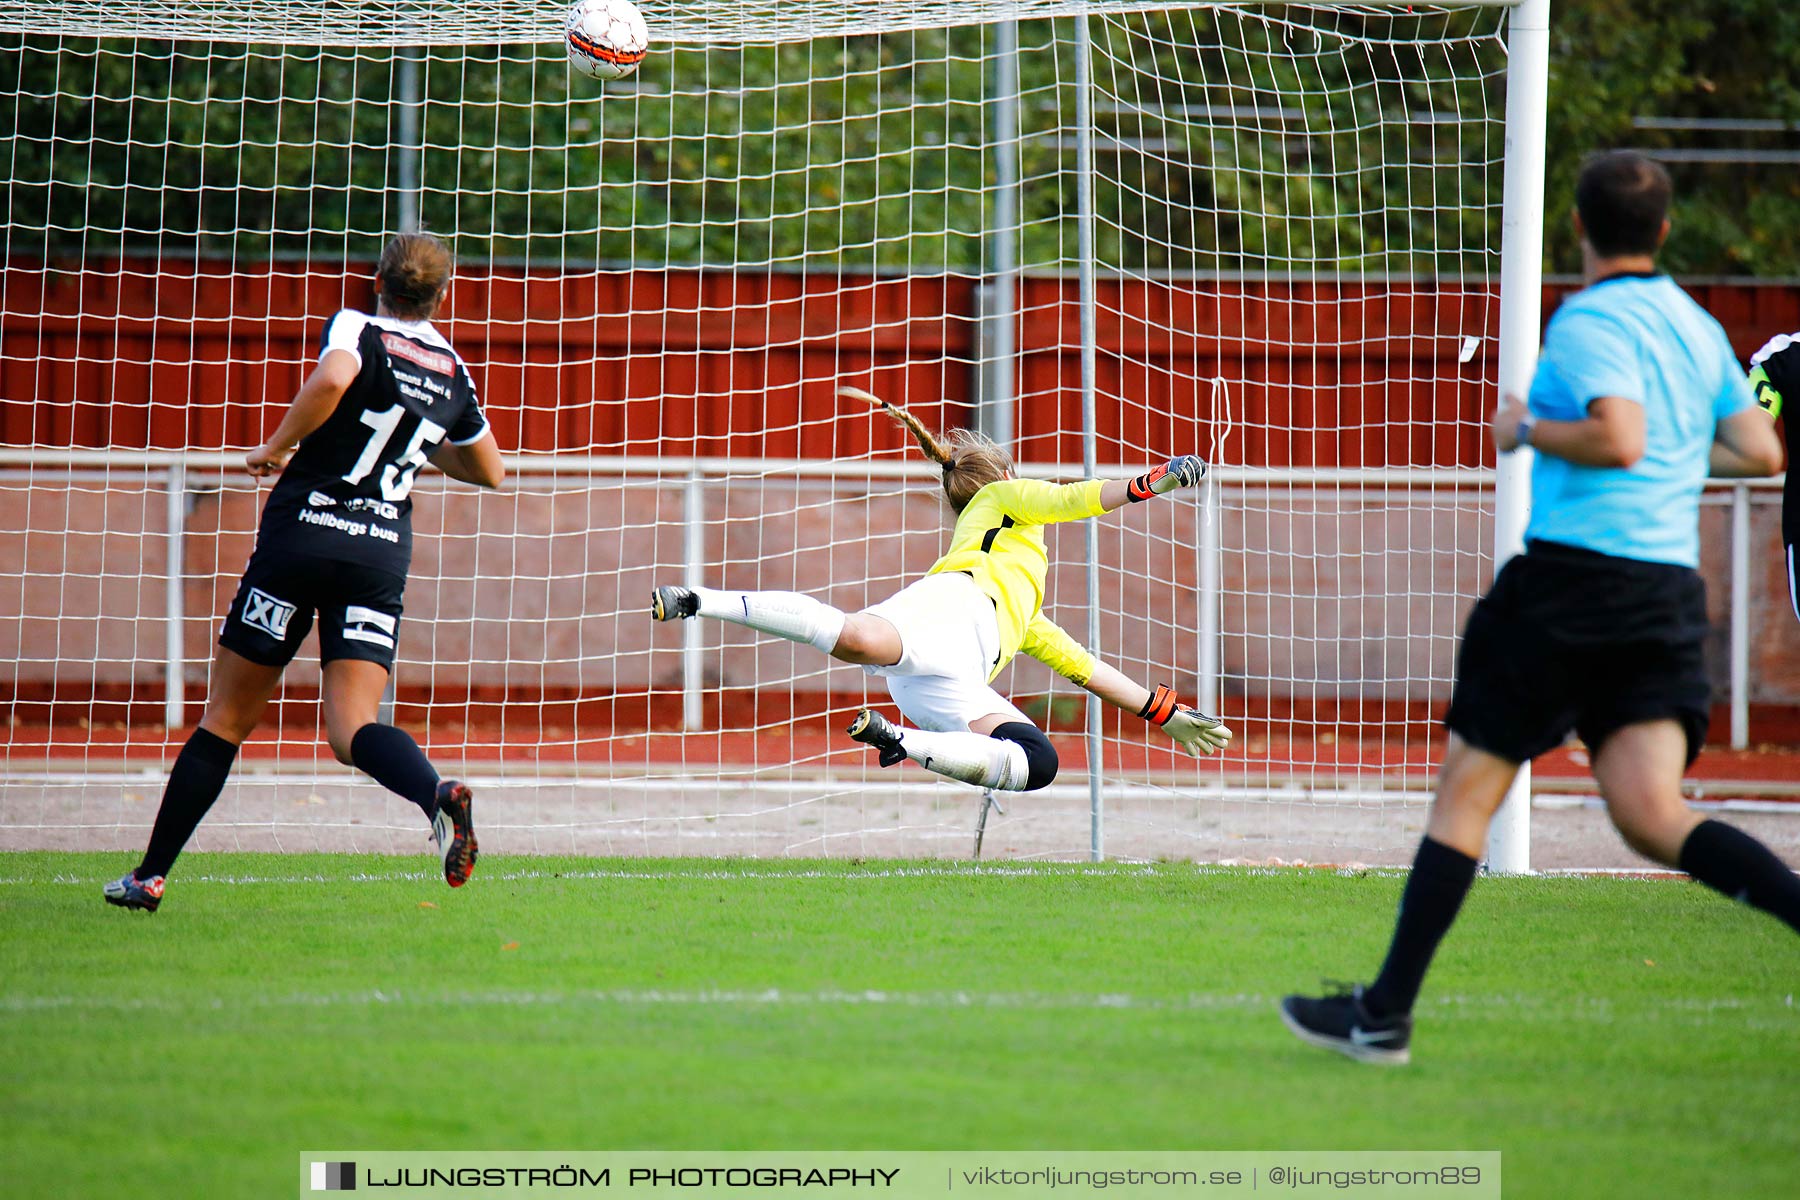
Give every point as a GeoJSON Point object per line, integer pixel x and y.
{"type": "Point", "coordinates": [472, 426]}
{"type": "Point", "coordinates": [1775, 376]}
{"type": "Point", "coordinates": [344, 332]}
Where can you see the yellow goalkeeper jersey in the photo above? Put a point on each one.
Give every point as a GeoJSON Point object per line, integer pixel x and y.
{"type": "Point", "coordinates": [999, 540]}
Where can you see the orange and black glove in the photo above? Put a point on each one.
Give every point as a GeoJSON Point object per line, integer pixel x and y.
{"type": "Point", "coordinates": [1185, 471]}
{"type": "Point", "coordinates": [1191, 729]}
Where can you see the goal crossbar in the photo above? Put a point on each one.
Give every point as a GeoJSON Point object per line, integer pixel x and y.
{"type": "Point", "coordinates": [683, 22]}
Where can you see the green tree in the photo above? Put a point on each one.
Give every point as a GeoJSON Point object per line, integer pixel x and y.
{"type": "Point", "coordinates": [1612, 61]}
{"type": "Point", "coordinates": [1226, 139]}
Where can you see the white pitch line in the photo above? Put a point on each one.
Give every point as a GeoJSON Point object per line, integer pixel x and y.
{"type": "Point", "coordinates": [948, 871]}
{"type": "Point", "coordinates": [629, 997]}
{"type": "Point", "coordinates": [1753, 1014]}
{"type": "Point", "coordinates": [1561, 801]}
{"type": "Point", "coordinates": [1040, 871]}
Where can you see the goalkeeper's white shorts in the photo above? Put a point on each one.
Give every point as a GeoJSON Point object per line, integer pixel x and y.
{"type": "Point", "coordinates": [949, 640]}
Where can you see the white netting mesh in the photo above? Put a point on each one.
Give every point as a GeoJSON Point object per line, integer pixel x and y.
{"type": "Point", "coordinates": [662, 283]}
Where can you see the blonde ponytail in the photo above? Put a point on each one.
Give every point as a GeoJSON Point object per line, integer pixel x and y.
{"type": "Point", "coordinates": [970, 461]}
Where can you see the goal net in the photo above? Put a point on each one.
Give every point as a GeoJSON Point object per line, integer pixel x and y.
{"type": "Point", "coordinates": [1294, 219]}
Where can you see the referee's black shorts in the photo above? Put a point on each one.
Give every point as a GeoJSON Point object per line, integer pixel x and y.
{"type": "Point", "coordinates": [1569, 639]}
{"type": "Point", "coordinates": [358, 608]}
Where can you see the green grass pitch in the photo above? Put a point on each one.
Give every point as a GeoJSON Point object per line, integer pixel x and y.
{"type": "Point", "coordinates": [1612, 1037]}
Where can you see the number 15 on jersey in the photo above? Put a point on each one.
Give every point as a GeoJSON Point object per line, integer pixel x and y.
{"type": "Point", "coordinates": [397, 473]}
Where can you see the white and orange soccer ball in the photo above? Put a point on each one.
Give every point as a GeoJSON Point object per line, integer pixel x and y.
{"type": "Point", "coordinates": [607, 39]}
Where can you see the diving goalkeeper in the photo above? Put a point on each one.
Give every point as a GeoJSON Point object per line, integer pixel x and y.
{"type": "Point", "coordinates": [939, 642]}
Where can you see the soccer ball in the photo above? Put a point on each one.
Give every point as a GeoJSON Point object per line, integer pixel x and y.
{"type": "Point", "coordinates": [607, 39]}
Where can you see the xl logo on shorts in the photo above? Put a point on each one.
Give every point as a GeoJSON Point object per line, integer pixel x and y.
{"type": "Point", "coordinates": [263, 611]}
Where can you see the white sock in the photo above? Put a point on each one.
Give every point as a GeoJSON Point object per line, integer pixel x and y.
{"type": "Point", "coordinates": [971, 757]}
{"type": "Point", "coordinates": [790, 615]}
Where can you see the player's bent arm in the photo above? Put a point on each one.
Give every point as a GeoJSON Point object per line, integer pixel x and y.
{"type": "Point", "coordinates": [1745, 446]}
{"type": "Point", "coordinates": [1611, 435]}
{"type": "Point", "coordinates": [313, 405]}
{"type": "Point", "coordinates": [477, 463]}
{"type": "Point", "coordinates": [1768, 397]}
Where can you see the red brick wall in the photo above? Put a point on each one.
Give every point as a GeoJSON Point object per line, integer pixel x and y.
{"type": "Point", "coordinates": [138, 353]}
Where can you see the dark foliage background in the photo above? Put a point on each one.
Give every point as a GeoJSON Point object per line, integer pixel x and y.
{"type": "Point", "coordinates": [1263, 139]}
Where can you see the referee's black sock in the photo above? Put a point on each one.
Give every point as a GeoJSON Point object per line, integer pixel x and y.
{"type": "Point", "coordinates": [391, 758]}
{"type": "Point", "coordinates": [1727, 859]}
{"type": "Point", "coordinates": [195, 781]}
{"type": "Point", "coordinates": [1434, 893]}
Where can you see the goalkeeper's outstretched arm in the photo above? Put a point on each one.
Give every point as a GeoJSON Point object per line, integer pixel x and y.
{"type": "Point", "coordinates": [971, 461]}
{"type": "Point", "coordinates": [1186, 471]}
{"type": "Point", "coordinates": [1191, 729]}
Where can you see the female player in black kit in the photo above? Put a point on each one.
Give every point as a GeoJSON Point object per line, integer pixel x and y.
{"type": "Point", "coordinates": [336, 540]}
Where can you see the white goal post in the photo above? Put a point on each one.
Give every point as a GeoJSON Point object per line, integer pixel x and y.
{"type": "Point", "coordinates": [1521, 290]}
{"type": "Point", "coordinates": [1303, 241]}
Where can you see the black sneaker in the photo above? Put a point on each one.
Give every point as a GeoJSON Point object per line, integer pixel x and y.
{"type": "Point", "coordinates": [132, 892]}
{"type": "Point", "coordinates": [453, 829]}
{"type": "Point", "coordinates": [1340, 1022]}
{"type": "Point", "coordinates": [672, 602]}
{"type": "Point", "coordinates": [873, 729]}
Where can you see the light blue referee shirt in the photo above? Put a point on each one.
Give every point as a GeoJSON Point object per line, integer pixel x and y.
{"type": "Point", "coordinates": [1644, 339]}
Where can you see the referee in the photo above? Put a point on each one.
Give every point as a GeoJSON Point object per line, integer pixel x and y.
{"type": "Point", "coordinates": [1774, 374]}
{"type": "Point", "coordinates": [1597, 627]}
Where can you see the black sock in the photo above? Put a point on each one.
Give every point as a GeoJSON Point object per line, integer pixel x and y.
{"type": "Point", "coordinates": [1727, 859]}
{"type": "Point", "coordinates": [195, 781]}
{"type": "Point", "coordinates": [391, 758]}
{"type": "Point", "coordinates": [1434, 893]}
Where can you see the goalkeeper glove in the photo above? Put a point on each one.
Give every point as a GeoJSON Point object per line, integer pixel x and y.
{"type": "Point", "coordinates": [1192, 730]}
{"type": "Point", "coordinates": [1185, 471]}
